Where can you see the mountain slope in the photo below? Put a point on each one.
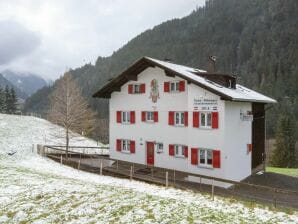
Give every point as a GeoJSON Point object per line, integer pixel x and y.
{"type": "Point", "coordinates": [257, 40]}
{"type": "Point", "coordinates": [27, 83]}
{"type": "Point", "coordinates": [4, 82]}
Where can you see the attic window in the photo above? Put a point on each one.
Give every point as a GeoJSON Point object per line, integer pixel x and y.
{"type": "Point", "coordinates": [174, 86]}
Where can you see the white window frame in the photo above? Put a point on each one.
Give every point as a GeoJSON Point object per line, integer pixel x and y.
{"type": "Point", "coordinates": [125, 117]}
{"type": "Point", "coordinates": [181, 118]}
{"type": "Point", "coordinates": [125, 146]}
{"type": "Point", "coordinates": [179, 151]}
{"type": "Point", "coordinates": [150, 115]}
{"type": "Point", "coordinates": [136, 87]}
{"type": "Point", "coordinates": [174, 86]}
{"type": "Point", "coordinates": [204, 153]}
{"type": "Point", "coordinates": [204, 122]}
{"type": "Point", "coordinates": [159, 147]}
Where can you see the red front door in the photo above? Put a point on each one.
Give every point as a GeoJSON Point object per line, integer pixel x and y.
{"type": "Point", "coordinates": [150, 153]}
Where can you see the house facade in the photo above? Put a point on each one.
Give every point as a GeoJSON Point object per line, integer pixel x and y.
{"type": "Point", "coordinates": [177, 117]}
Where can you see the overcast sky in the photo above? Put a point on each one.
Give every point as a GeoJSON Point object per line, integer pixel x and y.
{"type": "Point", "coordinates": [48, 37]}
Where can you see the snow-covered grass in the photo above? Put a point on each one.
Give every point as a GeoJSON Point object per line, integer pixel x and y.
{"type": "Point", "coordinates": [34, 189]}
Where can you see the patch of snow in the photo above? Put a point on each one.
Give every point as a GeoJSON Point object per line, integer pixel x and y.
{"type": "Point", "coordinates": [34, 189]}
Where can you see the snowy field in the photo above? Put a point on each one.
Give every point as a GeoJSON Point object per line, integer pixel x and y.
{"type": "Point", "coordinates": [37, 190]}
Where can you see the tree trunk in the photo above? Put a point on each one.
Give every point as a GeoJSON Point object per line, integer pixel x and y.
{"type": "Point", "coordinates": [67, 143]}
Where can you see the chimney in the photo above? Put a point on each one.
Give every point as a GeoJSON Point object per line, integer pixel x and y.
{"type": "Point", "coordinates": [211, 64]}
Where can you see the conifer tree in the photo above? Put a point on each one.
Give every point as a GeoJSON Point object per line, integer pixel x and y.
{"type": "Point", "coordinates": [13, 101]}
{"type": "Point", "coordinates": [7, 100]}
{"type": "Point", "coordinates": [284, 152]}
{"type": "Point", "coordinates": [2, 100]}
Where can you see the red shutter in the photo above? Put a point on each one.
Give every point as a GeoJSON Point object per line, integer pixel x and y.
{"type": "Point", "coordinates": [119, 120]}
{"type": "Point", "coordinates": [186, 151]}
{"type": "Point", "coordinates": [185, 118]}
{"type": "Point", "coordinates": [194, 156]}
{"type": "Point", "coordinates": [171, 117]}
{"type": "Point", "coordinates": [118, 145]}
{"type": "Point", "coordinates": [142, 88]}
{"type": "Point", "coordinates": [196, 119]}
{"type": "Point", "coordinates": [181, 86]}
{"type": "Point", "coordinates": [132, 117]}
{"type": "Point", "coordinates": [143, 115]}
{"type": "Point", "coordinates": [216, 158]}
{"type": "Point", "coordinates": [171, 150]}
{"type": "Point", "coordinates": [249, 148]}
{"type": "Point", "coordinates": [214, 119]}
{"type": "Point", "coordinates": [132, 146]}
{"type": "Point", "coordinates": [130, 89]}
{"type": "Point", "coordinates": [155, 114]}
{"type": "Point", "coordinates": [166, 86]}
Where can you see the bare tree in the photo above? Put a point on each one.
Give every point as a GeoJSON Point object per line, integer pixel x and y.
{"type": "Point", "coordinates": [69, 109]}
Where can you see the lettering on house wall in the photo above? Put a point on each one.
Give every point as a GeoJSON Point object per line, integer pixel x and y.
{"type": "Point", "coordinates": [205, 104]}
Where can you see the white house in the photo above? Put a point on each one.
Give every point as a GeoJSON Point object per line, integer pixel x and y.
{"type": "Point", "coordinates": [172, 116]}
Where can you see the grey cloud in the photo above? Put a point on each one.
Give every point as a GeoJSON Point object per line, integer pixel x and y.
{"type": "Point", "coordinates": [15, 41]}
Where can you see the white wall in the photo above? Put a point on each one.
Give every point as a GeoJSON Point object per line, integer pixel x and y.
{"type": "Point", "coordinates": [230, 138]}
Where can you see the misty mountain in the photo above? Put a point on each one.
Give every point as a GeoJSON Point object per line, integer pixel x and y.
{"type": "Point", "coordinates": [4, 82]}
{"type": "Point", "coordinates": [255, 40]}
{"type": "Point", "coordinates": [26, 82]}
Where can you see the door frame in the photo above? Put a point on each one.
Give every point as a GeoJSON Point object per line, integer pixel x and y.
{"type": "Point", "coordinates": [149, 142]}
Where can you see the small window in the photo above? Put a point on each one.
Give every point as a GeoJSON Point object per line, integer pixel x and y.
{"type": "Point", "coordinates": [174, 86]}
{"type": "Point", "coordinates": [179, 151]}
{"type": "Point", "coordinates": [136, 88]}
{"type": "Point", "coordinates": [126, 117]}
{"type": "Point", "coordinates": [159, 147]}
{"type": "Point", "coordinates": [205, 157]}
{"type": "Point", "coordinates": [150, 116]}
{"type": "Point", "coordinates": [126, 146]}
{"type": "Point", "coordinates": [179, 118]}
{"type": "Point", "coordinates": [206, 119]}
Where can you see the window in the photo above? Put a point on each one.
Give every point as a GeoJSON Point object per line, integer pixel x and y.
{"type": "Point", "coordinates": [174, 86]}
{"type": "Point", "coordinates": [159, 147]}
{"type": "Point", "coordinates": [126, 117]}
{"type": "Point", "coordinates": [150, 116]}
{"type": "Point", "coordinates": [125, 146]}
{"type": "Point", "coordinates": [136, 88]}
{"type": "Point", "coordinates": [206, 119]}
{"type": "Point", "coordinates": [179, 118]}
{"type": "Point", "coordinates": [205, 157]}
{"type": "Point", "coordinates": [179, 151]}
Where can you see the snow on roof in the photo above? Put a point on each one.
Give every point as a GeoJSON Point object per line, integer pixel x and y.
{"type": "Point", "coordinates": [240, 93]}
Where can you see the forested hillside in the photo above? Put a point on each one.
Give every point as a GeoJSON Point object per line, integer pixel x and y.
{"type": "Point", "coordinates": [256, 40]}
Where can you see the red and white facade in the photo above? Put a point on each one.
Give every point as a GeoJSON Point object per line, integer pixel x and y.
{"type": "Point", "coordinates": [166, 115]}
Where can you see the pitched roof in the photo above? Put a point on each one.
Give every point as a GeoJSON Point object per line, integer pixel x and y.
{"type": "Point", "coordinates": [192, 75]}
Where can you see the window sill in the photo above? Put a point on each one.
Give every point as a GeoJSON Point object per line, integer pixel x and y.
{"type": "Point", "coordinates": [125, 152]}
{"type": "Point", "coordinates": [181, 157]}
{"type": "Point", "coordinates": [209, 167]}
{"type": "Point", "coordinates": [205, 128]}
{"type": "Point", "coordinates": [126, 123]}
{"type": "Point", "coordinates": [179, 125]}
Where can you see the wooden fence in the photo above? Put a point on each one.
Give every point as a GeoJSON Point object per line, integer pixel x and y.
{"type": "Point", "coordinates": [101, 163]}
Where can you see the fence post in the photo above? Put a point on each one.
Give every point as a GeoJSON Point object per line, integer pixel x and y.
{"type": "Point", "coordinates": [167, 181]}
{"type": "Point", "coordinates": [61, 160]}
{"type": "Point", "coordinates": [152, 171]}
{"type": "Point", "coordinates": [200, 183]}
{"type": "Point", "coordinates": [117, 164]}
{"type": "Point", "coordinates": [79, 164]}
{"type": "Point", "coordinates": [100, 167]}
{"type": "Point", "coordinates": [133, 168]}
{"type": "Point", "coordinates": [212, 190]}
{"type": "Point", "coordinates": [174, 176]}
{"type": "Point", "coordinates": [130, 172]}
{"type": "Point", "coordinates": [274, 197]}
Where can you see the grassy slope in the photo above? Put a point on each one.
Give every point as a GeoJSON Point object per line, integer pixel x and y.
{"type": "Point", "coordinates": [286, 171]}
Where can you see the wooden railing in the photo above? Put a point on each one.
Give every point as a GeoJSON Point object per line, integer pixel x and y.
{"type": "Point", "coordinates": [100, 163]}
